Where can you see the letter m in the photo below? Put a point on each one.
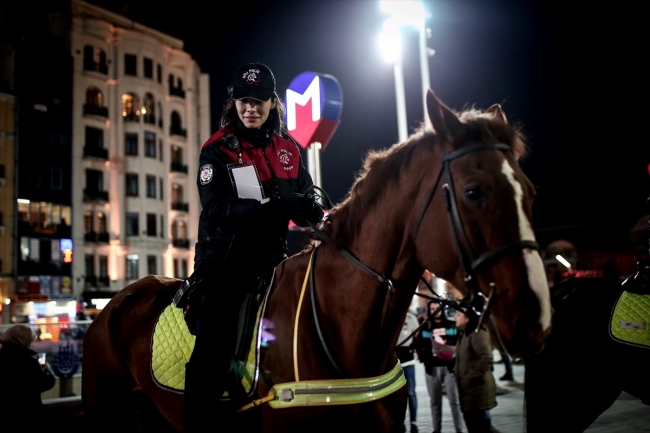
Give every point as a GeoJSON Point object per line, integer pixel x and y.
{"type": "Point", "coordinates": [294, 98]}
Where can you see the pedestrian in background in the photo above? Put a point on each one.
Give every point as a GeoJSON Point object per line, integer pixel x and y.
{"type": "Point", "coordinates": [473, 368]}
{"type": "Point", "coordinates": [22, 381]}
{"type": "Point", "coordinates": [434, 347]}
{"type": "Point", "coordinates": [406, 354]}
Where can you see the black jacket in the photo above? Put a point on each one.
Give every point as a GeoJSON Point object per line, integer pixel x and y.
{"type": "Point", "coordinates": [424, 343]}
{"type": "Point", "coordinates": [22, 380]}
{"type": "Point", "coordinates": [236, 229]}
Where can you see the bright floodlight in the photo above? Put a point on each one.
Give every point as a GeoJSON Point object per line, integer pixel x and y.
{"type": "Point", "coordinates": [405, 12]}
{"type": "Point", "coordinates": [562, 260]}
{"type": "Point", "coordinates": [390, 41]}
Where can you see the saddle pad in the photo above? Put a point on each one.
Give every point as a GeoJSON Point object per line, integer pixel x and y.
{"type": "Point", "coordinates": [630, 321]}
{"type": "Point", "coordinates": [172, 345]}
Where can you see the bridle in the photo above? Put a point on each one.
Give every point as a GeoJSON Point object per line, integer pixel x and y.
{"type": "Point", "coordinates": [469, 261]}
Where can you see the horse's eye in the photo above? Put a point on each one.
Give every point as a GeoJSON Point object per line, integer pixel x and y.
{"type": "Point", "coordinates": [475, 194]}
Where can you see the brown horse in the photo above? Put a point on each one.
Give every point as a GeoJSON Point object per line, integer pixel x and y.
{"type": "Point", "coordinates": [440, 199]}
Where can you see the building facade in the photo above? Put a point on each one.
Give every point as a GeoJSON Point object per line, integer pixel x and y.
{"type": "Point", "coordinates": [107, 141]}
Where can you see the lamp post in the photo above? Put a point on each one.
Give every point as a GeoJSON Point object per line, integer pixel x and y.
{"type": "Point", "coordinates": [391, 45]}
{"type": "Point", "coordinates": [401, 14]}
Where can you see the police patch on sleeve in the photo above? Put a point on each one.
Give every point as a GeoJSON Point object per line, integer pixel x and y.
{"type": "Point", "coordinates": [206, 173]}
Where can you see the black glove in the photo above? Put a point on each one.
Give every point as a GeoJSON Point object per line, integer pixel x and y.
{"type": "Point", "coordinates": [302, 210]}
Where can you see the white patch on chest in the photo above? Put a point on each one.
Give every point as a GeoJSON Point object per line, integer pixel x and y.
{"type": "Point", "coordinates": [534, 265]}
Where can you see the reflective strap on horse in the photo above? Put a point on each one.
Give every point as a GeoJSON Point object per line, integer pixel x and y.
{"type": "Point", "coordinates": [330, 392]}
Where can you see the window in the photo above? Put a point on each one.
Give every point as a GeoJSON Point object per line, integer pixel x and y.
{"type": "Point", "coordinates": [151, 265]}
{"type": "Point", "coordinates": [130, 107]}
{"type": "Point", "coordinates": [88, 222]}
{"type": "Point", "coordinates": [132, 266]}
{"type": "Point", "coordinates": [148, 68]}
{"type": "Point", "coordinates": [177, 193]}
{"type": "Point", "coordinates": [103, 267]}
{"type": "Point", "coordinates": [151, 225]}
{"type": "Point", "coordinates": [130, 64]}
{"type": "Point", "coordinates": [183, 270]}
{"type": "Point", "coordinates": [160, 149]}
{"type": "Point", "coordinates": [175, 265]}
{"type": "Point", "coordinates": [177, 155]}
{"type": "Point", "coordinates": [162, 227]}
{"type": "Point", "coordinates": [89, 265]}
{"type": "Point", "coordinates": [101, 222]}
{"type": "Point", "coordinates": [34, 174]}
{"type": "Point", "coordinates": [150, 144]}
{"type": "Point", "coordinates": [161, 189]}
{"type": "Point", "coordinates": [95, 59]}
{"type": "Point", "coordinates": [132, 224]}
{"type": "Point", "coordinates": [94, 180]}
{"type": "Point", "coordinates": [151, 186]}
{"type": "Point", "coordinates": [94, 138]}
{"type": "Point", "coordinates": [176, 125]}
{"type": "Point", "coordinates": [94, 97]}
{"type": "Point", "coordinates": [159, 73]}
{"type": "Point", "coordinates": [159, 111]}
{"type": "Point", "coordinates": [148, 109]}
{"type": "Point", "coordinates": [132, 184]}
{"type": "Point", "coordinates": [56, 178]}
{"type": "Point", "coordinates": [130, 143]}
{"type": "Point", "coordinates": [179, 230]}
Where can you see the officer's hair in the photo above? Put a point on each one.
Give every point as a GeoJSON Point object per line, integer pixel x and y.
{"type": "Point", "coordinates": [275, 121]}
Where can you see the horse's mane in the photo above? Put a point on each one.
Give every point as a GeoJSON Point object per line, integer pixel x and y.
{"type": "Point", "coordinates": [380, 167]}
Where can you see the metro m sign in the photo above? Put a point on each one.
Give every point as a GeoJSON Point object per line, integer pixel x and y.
{"type": "Point", "coordinates": [314, 104]}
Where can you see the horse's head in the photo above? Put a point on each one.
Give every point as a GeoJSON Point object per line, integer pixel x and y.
{"type": "Point", "coordinates": [485, 200]}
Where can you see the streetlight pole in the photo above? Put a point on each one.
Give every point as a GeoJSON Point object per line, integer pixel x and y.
{"type": "Point", "coordinates": [401, 14]}
{"type": "Point", "coordinates": [391, 41]}
{"type": "Point", "coordinates": [424, 71]}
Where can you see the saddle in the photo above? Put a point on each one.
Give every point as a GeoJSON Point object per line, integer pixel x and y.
{"type": "Point", "coordinates": [172, 345]}
{"type": "Point", "coordinates": [630, 317]}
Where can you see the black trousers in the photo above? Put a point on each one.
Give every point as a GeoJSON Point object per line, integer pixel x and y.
{"type": "Point", "coordinates": [211, 369]}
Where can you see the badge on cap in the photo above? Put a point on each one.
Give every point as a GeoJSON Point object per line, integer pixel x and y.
{"type": "Point", "coordinates": [252, 76]}
{"type": "Point", "coordinates": [206, 173]}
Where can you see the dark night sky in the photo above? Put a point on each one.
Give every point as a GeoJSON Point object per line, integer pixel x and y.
{"type": "Point", "coordinates": [570, 77]}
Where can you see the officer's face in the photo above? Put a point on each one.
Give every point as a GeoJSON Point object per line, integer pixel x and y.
{"type": "Point", "coordinates": [253, 113]}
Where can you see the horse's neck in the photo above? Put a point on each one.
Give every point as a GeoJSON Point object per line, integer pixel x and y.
{"type": "Point", "coordinates": [366, 315]}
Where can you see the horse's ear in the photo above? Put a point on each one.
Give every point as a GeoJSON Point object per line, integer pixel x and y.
{"type": "Point", "coordinates": [497, 113]}
{"type": "Point", "coordinates": [444, 121]}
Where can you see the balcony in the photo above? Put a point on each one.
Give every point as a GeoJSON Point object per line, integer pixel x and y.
{"type": "Point", "coordinates": [96, 237]}
{"type": "Point", "coordinates": [177, 130]}
{"type": "Point", "coordinates": [103, 281]}
{"type": "Point", "coordinates": [180, 206]}
{"type": "Point", "coordinates": [90, 281]}
{"type": "Point", "coordinates": [102, 67]}
{"type": "Point", "coordinates": [178, 167]}
{"type": "Point", "coordinates": [176, 91]}
{"type": "Point", "coordinates": [95, 195]}
{"type": "Point", "coordinates": [181, 243]}
{"type": "Point", "coordinates": [94, 110]}
{"type": "Point", "coordinates": [131, 117]}
{"type": "Point", "coordinates": [95, 152]}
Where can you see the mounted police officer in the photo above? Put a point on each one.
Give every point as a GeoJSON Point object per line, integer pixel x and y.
{"type": "Point", "coordinates": [251, 182]}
